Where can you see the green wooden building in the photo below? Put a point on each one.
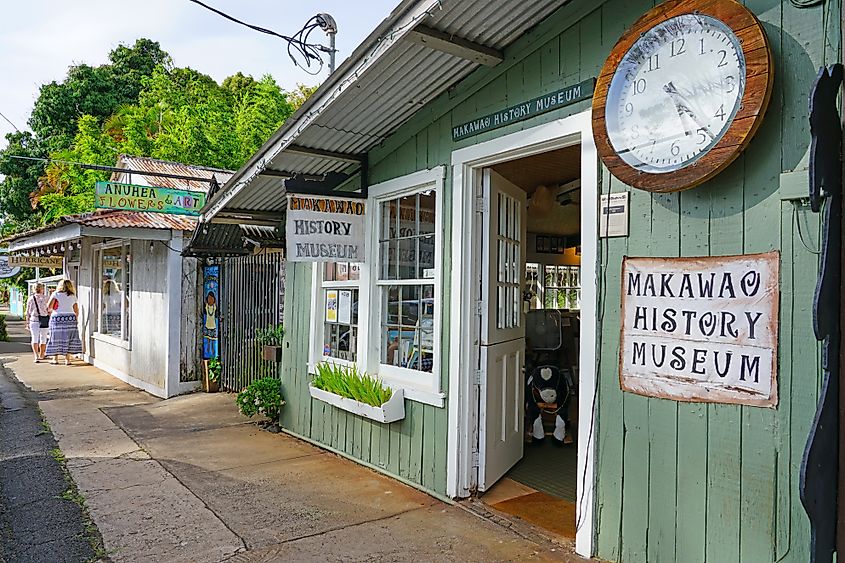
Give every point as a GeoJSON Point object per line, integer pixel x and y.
{"type": "Point", "coordinates": [466, 129]}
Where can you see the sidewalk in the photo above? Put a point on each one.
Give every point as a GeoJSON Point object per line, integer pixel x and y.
{"type": "Point", "coordinates": [190, 479]}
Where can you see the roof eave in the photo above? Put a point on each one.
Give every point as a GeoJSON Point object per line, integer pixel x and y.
{"type": "Point", "coordinates": [376, 45]}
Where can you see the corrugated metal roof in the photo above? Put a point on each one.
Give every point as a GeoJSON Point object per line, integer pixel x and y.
{"type": "Point", "coordinates": [376, 90]}
{"type": "Point", "coordinates": [225, 239]}
{"type": "Point", "coordinates": [145, 164]}
{"type": "Point", "coordinates": [118, 219]}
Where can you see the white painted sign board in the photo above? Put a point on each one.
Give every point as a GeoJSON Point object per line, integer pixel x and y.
{"type": "Point", "coordinates": [701, 329]}
{"type": "Point", "coordinates": [325, 229]}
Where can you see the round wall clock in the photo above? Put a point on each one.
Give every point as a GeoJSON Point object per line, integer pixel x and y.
{"type": "Point", "coordinates": [682, 93]}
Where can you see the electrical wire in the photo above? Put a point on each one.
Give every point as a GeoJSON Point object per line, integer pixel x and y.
{"type": "Point", "coordinates": [9, 121]}
{"type": "Point", "coordinates": [797, 220]}
{"type": "Point", "coordinates": [298, 45]}
{"type": "Point", "coordinates": [603, 247]}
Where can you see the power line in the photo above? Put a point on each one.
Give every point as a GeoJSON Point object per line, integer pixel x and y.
{"type": "Point", "coordinates": [297, 45]}
{"type": "Point", "coordinates": [10, 122]}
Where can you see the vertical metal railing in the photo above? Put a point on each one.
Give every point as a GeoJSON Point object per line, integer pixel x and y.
{"type": "Point", "coordinates": [252, 289]}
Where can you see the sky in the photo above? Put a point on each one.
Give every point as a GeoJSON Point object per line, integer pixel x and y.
{"type": "Point", "coordinates": [40, 39]}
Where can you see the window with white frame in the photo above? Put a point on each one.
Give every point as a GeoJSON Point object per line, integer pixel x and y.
{"type": "Point", "coordinates": [340, 295]}
{"type": "Point", "coordinates": [550, 286]}
{"type": "Point", "coordinates": [406, 259]}
{"type": "Point", "coordinates": [114, 266]}
{"type": "Point", "coordinates": [394, 334]}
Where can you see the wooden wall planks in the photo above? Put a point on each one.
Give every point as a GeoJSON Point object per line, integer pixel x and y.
{"type": "Point", "coordinates": [676, 481]}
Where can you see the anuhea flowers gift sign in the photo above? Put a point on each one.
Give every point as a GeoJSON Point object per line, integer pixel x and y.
{"type": "Point", "coordinates": [701, 329]}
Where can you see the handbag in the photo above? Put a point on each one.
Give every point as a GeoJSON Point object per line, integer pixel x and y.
{"type": "Point", "coordinates": [43, 320]}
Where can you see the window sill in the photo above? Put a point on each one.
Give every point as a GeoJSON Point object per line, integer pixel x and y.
{"type": "Point", "coordinates": [106, 339]}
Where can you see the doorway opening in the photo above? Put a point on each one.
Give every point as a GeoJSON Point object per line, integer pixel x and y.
{"type": "Point", "coordinates": [529, 345]}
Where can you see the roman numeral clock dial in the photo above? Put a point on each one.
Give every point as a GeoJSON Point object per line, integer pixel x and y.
{"type": "Point", "coordinates": [675, 103]}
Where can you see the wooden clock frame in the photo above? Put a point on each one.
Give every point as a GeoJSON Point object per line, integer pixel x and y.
{"type": "Point", "coordinates": [759, 79]}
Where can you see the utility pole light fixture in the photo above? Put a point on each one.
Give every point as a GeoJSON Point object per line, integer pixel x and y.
{"type": "Point", "coordinates": [329, 26]}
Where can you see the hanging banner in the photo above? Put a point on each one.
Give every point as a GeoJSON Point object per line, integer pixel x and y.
{"type": "Point", "coordinates": [210, 325]}
{"type": "Point", "coordinates": [7, 270]}
{"type": "Point", "coordinates": [129, 197]}
{"type": "Point", "coordinates": [36, 261]}
{"type": "Point", "coordinates": [325, 229]}
{"type": "Point", "coordinates": [701, 329]}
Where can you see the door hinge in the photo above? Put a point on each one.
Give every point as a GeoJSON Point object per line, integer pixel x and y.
{"type": "Point", "coordinates": [475, 459]}
{"type": "Point", "coordinates": [478, 374]}
{"type": "Point", "coordinates": [479, 307]}
{"type": "Point", "coordinates": [480, 204]}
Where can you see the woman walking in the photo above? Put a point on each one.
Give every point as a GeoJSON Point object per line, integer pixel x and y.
{"type": "Point", "coordinates": [64, 332]}
{"type": "Point", "coordinates": [38, 319]}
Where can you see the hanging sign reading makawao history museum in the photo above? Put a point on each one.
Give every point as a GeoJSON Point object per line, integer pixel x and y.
{"type": "Point", "coordinates": [701, 329]}
{"type": "Point", "coordinates": [325, 229]}
{"type": "Point", "coordinates": [130, 197]}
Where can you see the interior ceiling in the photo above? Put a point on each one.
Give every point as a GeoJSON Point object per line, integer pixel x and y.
{"type": "Point", "coordinates": [547, 169]}
{"type": "Point", "coordinates": [550, 169]}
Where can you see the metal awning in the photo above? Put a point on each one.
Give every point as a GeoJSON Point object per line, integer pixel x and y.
{"type": "Point", "coordinates": [228, 239]}
{"type": "Point", "coordinates": [417, 53]}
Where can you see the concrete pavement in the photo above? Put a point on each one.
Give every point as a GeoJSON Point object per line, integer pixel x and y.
{"type": "Point", "coordinates": [190, 479]}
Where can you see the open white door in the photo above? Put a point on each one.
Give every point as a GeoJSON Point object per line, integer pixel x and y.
{"type": "Point", "coordinates": [502, 356]}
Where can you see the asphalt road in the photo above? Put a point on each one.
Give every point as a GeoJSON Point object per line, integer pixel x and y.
{"type": "Point", "coordinates": [36, 523]}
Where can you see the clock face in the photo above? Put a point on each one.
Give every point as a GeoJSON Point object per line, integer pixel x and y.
{"type": "Point", "coordinates": [675, 93]}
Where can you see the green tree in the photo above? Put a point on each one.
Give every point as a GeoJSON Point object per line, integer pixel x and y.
{"type": "Point", "coordinates": [86, 90]}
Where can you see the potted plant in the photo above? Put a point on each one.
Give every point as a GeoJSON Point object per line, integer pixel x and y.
{"type": "Point", "coordinates": [262, 396]}
{"type": "Point", "coordinates": [213, 368]}
{"type": "Point", "coordinates": [356, 392]}
{"type": "Point", "coordinates": [271, 339]}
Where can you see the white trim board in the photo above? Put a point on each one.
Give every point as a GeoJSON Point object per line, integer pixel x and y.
{"type": "Point", "coordinates": [126, 378]}
{"type": "Point", "coordinates": [467, 163]}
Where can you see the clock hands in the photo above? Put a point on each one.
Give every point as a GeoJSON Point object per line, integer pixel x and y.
{"type": "Point", "coordinates": [682, 105]}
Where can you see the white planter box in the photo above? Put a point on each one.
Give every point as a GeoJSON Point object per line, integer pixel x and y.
{"type": "Point", "coordinates": [391, 411]}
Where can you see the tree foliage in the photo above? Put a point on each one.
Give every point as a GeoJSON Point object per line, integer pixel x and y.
{"type": "Point", "coordinates": [137, 104]}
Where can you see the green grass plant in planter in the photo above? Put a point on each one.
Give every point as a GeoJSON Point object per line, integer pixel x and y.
{"type": "Point", "coordinates": [262, 396]}
{"type": "Point", "coordinates": [4, 335]}
{"type": "Point", "coordinates": [351, 383]}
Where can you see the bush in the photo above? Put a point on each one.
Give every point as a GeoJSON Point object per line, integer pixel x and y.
{"type": "Point", "coordinates": [262, 396]}
{"type": "Point", "coordinates": [350, 383]}
{"type": "Point", "coordinates": [270, 336]}
{"type": "Point", "coordinates": [214, 369]}
{"type": "Point", "coordinates": [4, 335]}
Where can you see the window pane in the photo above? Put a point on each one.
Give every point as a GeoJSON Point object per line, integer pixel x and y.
{"type": "Point", "coordinates": [408, 216]}
{"type": "Point", "coordinates": [111, 291]}
{"type": "Point", "coordinates": [340, 327]}
{"type": "Point", "coordinates": [408, 326]}
{"type": "Point", "coordinates": [427, 211]}
{"type": "Point", "coordinates": [407, 238]}
{"type": "Point", "coordinates": [127, 291]}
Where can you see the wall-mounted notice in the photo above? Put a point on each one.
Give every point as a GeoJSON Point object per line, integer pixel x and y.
{"type": "Point", "coordinates": [701, 329]}
{"type": "Point", "coordinates": [325, 229]}
{"type": "Point", "coordinates": [613, 220]}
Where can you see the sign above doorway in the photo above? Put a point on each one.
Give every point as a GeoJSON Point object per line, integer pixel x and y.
{"type": "Point", "coordinates": [525, 110]}
{"type": "Point", "coordinates": [131, 197]}
{"type": "Point", "coordinates": [36, 261]}
{"type": "Point", "coordinates": [701, 329]}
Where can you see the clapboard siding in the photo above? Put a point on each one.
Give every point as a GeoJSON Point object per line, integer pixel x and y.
{"type": "Point", "coordinates": [675, 481]}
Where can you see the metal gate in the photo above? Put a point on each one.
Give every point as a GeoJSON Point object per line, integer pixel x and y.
{"type": "Point", "coordinates": [252, 290]}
